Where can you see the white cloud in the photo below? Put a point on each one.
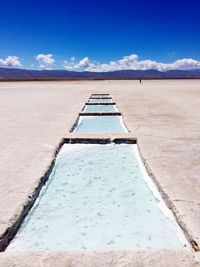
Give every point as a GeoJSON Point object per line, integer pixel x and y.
{"type": "Point", "coordinates": [10, 61]}
{"type": "Point", "coordinates": [83, 64]}
{"type": "Point", "coordinates": [130, 62]}
{"type": "Point", "coordinates": [45, 60]}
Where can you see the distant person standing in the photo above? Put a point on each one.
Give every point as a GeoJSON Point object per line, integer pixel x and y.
{"type": "Point", "coordinates": [140, 81]}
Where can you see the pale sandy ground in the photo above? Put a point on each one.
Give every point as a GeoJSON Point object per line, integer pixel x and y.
{"type": "Point", "coordinates": [163, 115]}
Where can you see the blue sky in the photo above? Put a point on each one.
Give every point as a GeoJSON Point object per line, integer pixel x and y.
{"type": "Point", "coordinates": [89, 34]}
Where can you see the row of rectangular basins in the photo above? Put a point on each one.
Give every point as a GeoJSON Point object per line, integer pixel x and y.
{"type": "Point", "coordinates": [99, 197]}
{"type": "Point", "coordinates": [100, 115]}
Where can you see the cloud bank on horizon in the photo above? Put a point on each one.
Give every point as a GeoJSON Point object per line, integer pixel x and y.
{"type": "Point", "coordinates": [131, 62]}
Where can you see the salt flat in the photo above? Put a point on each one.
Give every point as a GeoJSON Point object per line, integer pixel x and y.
{"type": "Point", "coordinates": [162, 115]}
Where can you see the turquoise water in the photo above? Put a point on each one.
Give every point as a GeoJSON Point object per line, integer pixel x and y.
{"type": "Point", "coordinates": [100, 100]}
{"type": "Point", "coordinates": [100, 124]}
{"type": "Point", "coordinates": [100, 96]}
{"type": "Point", "coordinates": [97, 199]}
{"type": "Point", "coordinates": [100, 108]}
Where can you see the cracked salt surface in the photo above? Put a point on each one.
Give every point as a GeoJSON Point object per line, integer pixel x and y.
{"type": "Point", "coordinates": [100, 124]}
{"type": "Point", "coordinates": [97, 198]}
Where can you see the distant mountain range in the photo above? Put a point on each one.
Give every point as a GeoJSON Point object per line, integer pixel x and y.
{"type": "Point", "coordinates": [25, 74]}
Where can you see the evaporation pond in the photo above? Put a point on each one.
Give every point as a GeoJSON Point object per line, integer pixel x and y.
{"type": "Point", "coordinates": [100, 124]}
{"type": "Point", "coordinates": [100, 108]}
{"type": "Point", "coordinates": [96, 198]}
{"type": "Point", "coordinates": [100, 100]}
{"type": "Point", "coordinates": [99, 95]}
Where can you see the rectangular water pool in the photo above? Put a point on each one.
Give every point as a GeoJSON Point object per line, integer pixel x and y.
{"type": "Point", "coordinates": [100, 124]}
{"type": "Point", "coordinates": [98, 198]}
{"type": "Point", "coordinates": [100, 100]}
{"type": "Point", "coordinates": [100, 108]}
{"type": "Point", "coordinates": [100, 95]}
